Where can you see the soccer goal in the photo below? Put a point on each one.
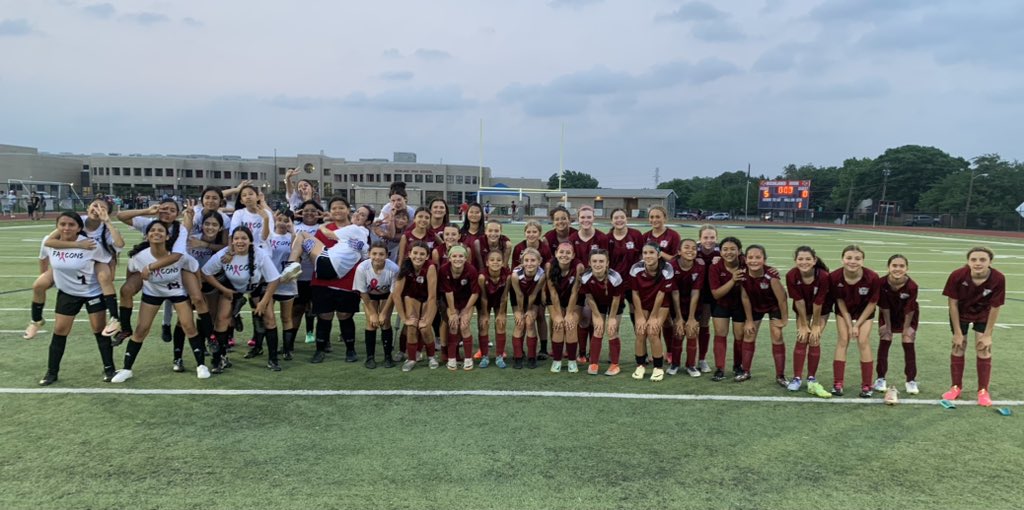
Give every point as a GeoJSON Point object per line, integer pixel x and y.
{"type": "Point", "coordinates": [56, 196]}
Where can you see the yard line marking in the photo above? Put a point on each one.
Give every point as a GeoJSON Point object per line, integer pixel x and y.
{"type": "Point", "coordinates": [936, 238]}
{"type": "Point", "coordinates": [478, 393]}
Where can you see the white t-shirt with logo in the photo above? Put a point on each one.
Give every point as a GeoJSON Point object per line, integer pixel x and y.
{"type": "Point", "coordinates": [74, 269]}
{"type": "Point", "coordinates": [166, 281]}
{"type": "Point", "coordinates": [140, 223]}
{"type": "Point", "coordinates": [254, 222]}
{"type": "Point", "coordinates": [280, 246]}
{"type": "Point", "coordinates": [237, 270]}
{"type": "Point", "coordinates": [367, 281]}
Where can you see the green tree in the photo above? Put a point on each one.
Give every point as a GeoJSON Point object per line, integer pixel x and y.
{"type": "Point", "coordinates": [573, 179]}
{"type": "Point", "coordinates": [823, 181]}
{"type": "Point", "coordinates": [913, 170]}
{"type": "Point", "coordinates": [997, 190]}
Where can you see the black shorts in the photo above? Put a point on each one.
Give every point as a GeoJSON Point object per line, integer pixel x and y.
{"type": "Point", "coordinates": [157, 300]}
{"type": "Point", "coordinates": [328, 300]}
{"type": "Point", "coordinates": [71, 305]}
{"type": "Point", "coordinates": [324, 269]}
{"type": "Point", "coordinates": [512, 299]}
{"type": "Point", "coordinates": [685, 310]}
{"type": "Point", "coordinates": [773, 314]}
{"type": "Point", "coordinates": [737, 315]}
{"type": "Point", "coordinates": [31, 209]}
{"type": "Point", "coordinates": [207, 288]}
{"type": "Point", "coordinates": [305, 292]}
{"type": "Point", "coordinates": [966, 326]}
{"type": "Point", "coordinates": [283, 297]}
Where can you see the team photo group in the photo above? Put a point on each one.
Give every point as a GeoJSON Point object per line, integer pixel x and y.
{"type": "Point", "coordinates": [228, 261]}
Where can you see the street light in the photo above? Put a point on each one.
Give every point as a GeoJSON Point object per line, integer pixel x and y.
{"type": "Point", "coordinates": [970, 190]}
{"type": "Point", "coordinates": [885, 182]}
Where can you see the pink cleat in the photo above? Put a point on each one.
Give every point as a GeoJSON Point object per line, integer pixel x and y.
{"type": "Point", "coordinates": [984, 399]}
{"type": "Point", "coordinates": [952, 394]}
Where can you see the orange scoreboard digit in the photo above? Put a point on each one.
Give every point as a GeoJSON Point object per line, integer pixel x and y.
{"type": "Point", "coordinates": [787, 195]}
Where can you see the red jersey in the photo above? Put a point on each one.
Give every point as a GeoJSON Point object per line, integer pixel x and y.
{"type": "Point", "coordinates": [814, 293]}
{"type": "Point", "coordinates": [485, 248]}
{"type": "Point", "coordinates": [583, 248]}
{"type": "Point", "coordinates": [899, 302]}
{"type": "Point", "coordinates": [494, 290]}
{"type": "Point", "coordinates": [688, 280]}
{"type": "Point", "coordinates": [551, 236]}
{"type": "Point", "coordinates": [605, 291]}
{"type": "Point", "coordinates": [623, 253]}
{"type": "Point", "coordinates": [343, 283]}
{"type": "Point", "coordinates": [437, 233]}
{"type": "Point", "coordinates": [719, 275]}
{"type": "Point", "coordinates": [545, 253]}
{"type": "Point", "coordinates": [416, 285]}
{"type": "Point", "coordinates": [411, 238]}
{"type": "Point", "coordinates": [857, 295]}
{"type": "Point", "coordinates": [647, 287]}
{"type": "Point", "coordinates": [463, 286]}
{"type": "Point", "coordinates": [975, 301]}
{"type": "Point", "coordinates": [668, 241]}
{"type": "Point", "coordinates": [564, 283]}
{"type": "Point", "coordinates": [527, 284]}
{"type": "Point", "coordinates": [759, 290]}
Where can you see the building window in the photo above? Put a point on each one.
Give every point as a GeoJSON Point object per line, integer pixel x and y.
{"type": "Point", "coordinates": [117, 170]}
{"type": "Point", "coordinates": [471, 179]}
{"type": "Point", "coordinates": [243, 176]}
{"type": "Point", "coordinates": [458, 179]}
{"type": "Point", "coordinates": [419, 178]}
{"type": "Point", "coordinates": [199, 174]}
{"type": "Point", "coordinates": [398, 178]}
{"type": "Point", "coordinates": [148, 172]}
{"type": "Point", "coordinates": [138, 172]}
{"type": "Point", "coordinates": [188, 172]}
{"type": "Point", "coordinates": [428, 178]}
{"type": "Point", "coordinates": [387, 177]}
{"type": "Point", "coordinates": [338, 177]}
{"type": "Point", "coordinates": [451, 179]}
{"type": "Point", "coordinates": [407, 178]}
{"type": "Point", "coordinates": [371, 177]}
{"type": "Point", "coordinates": [281, 170]}
{"type": "Point", "coordinates": [454, 197]}
{"type": "Point", "coordinates": [215, 174]}
{"type": "Point", "coordinates": [327, 171]}
{"type": "Point", "coordinates": [159, 172]}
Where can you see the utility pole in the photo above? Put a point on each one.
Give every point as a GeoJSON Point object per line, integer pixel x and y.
{"type": "Point", "coordinates": [885, 182]}
{"type": "Point", "coordinates": [746, 194]}
{"type": "Point", "coordinates": [657, 176]}
{"type": "Point", "coordinates": [849, 201]}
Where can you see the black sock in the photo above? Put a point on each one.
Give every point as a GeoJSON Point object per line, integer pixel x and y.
{"type": "Point", "coordinates": [196, 343]}
{"type": "Point", "coordinates": [271, 344]}
{"type": "Point", "coordinates": [310, 318]}
{"type": "Point", "coordinates": [659, 362]}
{"type": "Point", "coordinates": [371, 343]}
{"type": "Point", "coordinates": [641, 360]}
{"type": "Point", "coordinates": [205, 325]}
{"type": "Point", "coordinates": [130, 353]}
{"type": "Point", "coordinates": [57, 344]}
{"type": "Point", "coordinates": [388, 339]}
{"type": "Point", "coordinates": [258, 337]}
{"type": "Point", "coordinates": [348, 330]}
{"type": "Point", "coordinates": [289, 339]}
{"type": "Point", "coordinates": [125, 315]}
{"type": "Point", "coordinates": [219, 346]}
{"type": "Point", "coordinates": [106, 350]}
{"type": "Point", "coordinates": [110, 301]}
{"type": "Point", "coordinates": [37, 311]}
{"type": "Point", "coordinates": [543, 346]}
{"type": "Point", "coordinates": [179, 341]}
{"type": "Point", "coordinates": [323, 333]}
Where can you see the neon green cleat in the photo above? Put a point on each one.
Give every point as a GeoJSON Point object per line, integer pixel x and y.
{"type": "Point", "coordinates": [816, 389]}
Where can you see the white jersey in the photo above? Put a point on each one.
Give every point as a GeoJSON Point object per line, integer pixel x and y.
{"type": "Point", "coordinates": [74, 269]}
{"type": "Point", "coordinates": [166, 281]}
{"type": "Point", "coordinates": [99, 237]}
{"type": "Point", "coordinates": [350, 249]}
{"type": "Point", "coordinates": [200, 254]}
{"type": "Point", "coordinates": [305, 261]}
{"type": "Point", "coordinates": [197, 220]}
{"type": "Point", "coordinates": [368, 281]}
{"type": "Point", "coordinates": [410, 209]}
{"type": "Point", "coordinates": [141, 223]}
{"type": "Point", "coordinates": [241, 277]}
{"type": "Point", "coordinates": [280, 246]}
{"type": "Point", "coordinates": [242, 217]}
{"type": "Point", "coordinates": [43, 252]}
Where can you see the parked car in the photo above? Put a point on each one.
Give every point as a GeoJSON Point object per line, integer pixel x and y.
{"type": "Point", "coordinates": [684, 215]}
{"type": "Point", "coordinates": [921, 220]}
{"type": "Point", "coordinates": [720, 216]}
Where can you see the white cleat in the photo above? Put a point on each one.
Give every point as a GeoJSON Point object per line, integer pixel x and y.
{"type": "Point", "coordinates": [122, 376]}
{"type": "Point", "coordinates": [291, 272]}
{"type": "Point", "coordinates": [33, 329]}
{"type": "Point", "coordinates": [202, 372]}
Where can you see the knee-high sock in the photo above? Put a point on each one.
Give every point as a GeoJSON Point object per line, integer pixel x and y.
{"type": "Point", "coordinates": [411, 348]}
{"type": "Point", "coordinates": [910, 355]}
{"type": "Point", "coordinates": [865, 373]}
{"type": "Point", "coordinates": [106, 348]}
{"type": "Point", "coordinates": [799, 356]}
{"type": "Point", "coordinates": [691, 350]}
{"type": "Point", "coordinates": [57, 344]}
{"type": "Point", "coordinates": [500, 344]}
{"type": "Point", "coordinates": [370, 341]}
{"type": "Point", "coordinates": [675, 348]}
{"type": "Point", "coordinates": [839, 372]}
{"type": "Point", "coordinates": [178, 341]}
{"type": "Point", "coordinates": [595, 349]}
{"type": "Point", "coordinates": [984, 373]}
{"type": "Point", "coordinates": [813, 358]}
{"type": "Point", "coordinates": [196, 343]}
{"type": "Point", "coordinates": [556, 350]}
{"type": "Point", "coordinates": [288, 340]}
{"type": "Point", "coordinates": [582, 335]}
{"type": "Point", "coordinates": [310, 318]}
{"type": "Point", "coordinates": [271, 335]}
{"type": "Point", "coordinates": [110, 301]}
{"type": "Point", "coordinates": [737, 352]}
{"type": "Point", "coordinates": [748, 355]}
{"type": "Point", "coordinates": [531, 347]}
{"type": "Point", "coordinates": [323, 333]}
{"type": "Point", "coordinates": [485, 347]}
{"type": "Point", "coordinates": [956, 367]}
{"type": "Point", "coordinates": [883, 357]}
{"type": "Point", "coordinates": [37, 311]}
{"type": "Point", "coordinates": [219, 346]}
{"type": "Point", "coordinates": [452, 346]}
{"type": "Point", "coordinates": [614, 350]}
{"type": "Point", "coordinates": [571, 351]}
{"type": "Point", "coordinates": [703, 336]}
{"type": "Point", "coordinates": [467, 347]}
{"type": "Point", "coordinates": [517, 347]}
{"type": "Point", "coordinates": [348, 333]}
{"type": "Point", "coordinates": [131, 352]}
{"type": "Point", "coordinates": [719, 347]}
{"type": "Point", "coordinates": [205, 325]}
{"type": "Point", "coordinates": [387, 338]}
{"type": "Point", "coordinates": [779, 355]}
{"type": "Point", "coordinates": [431, 348]}
{"type": "Point", "coordinates": [125, 315]}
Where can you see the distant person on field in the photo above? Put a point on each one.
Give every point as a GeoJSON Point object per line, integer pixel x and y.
{"type": "Point", "coordinates": [34, 204]}
{"type": "Point", "coordinates": [12, 201]}
{"type": "Point", "coordinates": [463, 209]}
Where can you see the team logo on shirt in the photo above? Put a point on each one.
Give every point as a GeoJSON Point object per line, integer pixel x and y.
{"type": "Point", "coordinates": [236, 269]}
{"type": "Point", "coordinates": [863, 291]}
{"type": "Point", "coordinates": [663, 243]}
{"type": "Point", "coordinates": [765, 285]}
{"type": "Point", "coordinates": [693, 276]}
{"type": "Point", "coordinates": [904, 295]}
{"type": "Point", "coordinates": [630, 245]}
{"type": "Point", "coordinates": [986, 292]}
{"type": "Point", "coordinates": [463, 281]}
{"type": "Point", "coordinates": [64, 255]}
{"type": "Point", "coordinates": [419, 279]}
{"type": "Point", "coordinates": [254, 226]}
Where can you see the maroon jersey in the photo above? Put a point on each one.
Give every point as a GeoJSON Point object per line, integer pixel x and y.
{"type": "Point", "coordinates": [899, 302]}
{"type": "Point", "coordinates": [416, 285]}
{"type": "Point", "coordinates": [857, 295]}
{"type": "Point", "coordinates": [647, 287]}
{"type": "Point", "coordinates": [551, 236]}
{"type": "Point", "coordinates": [583, 248]}
{"type": "Point", "coordinates": [495, 289]}
{"type": "Point", "coordinates": [343, 283]}
{"type": "Point", "coordinates": [527, 284]}
{"type": "Point", "coordinates": [564, 283]}
{"type": "Point", "coordinates": [545, 253]}
{"type": "Point", "coordinates": [486, 249]}
{"type": "Point", "coordinates": [814, 293]}
{"type": "Point", "coordinates": [759, 290]}
{"type": "Point", "coordinates": [462, 286]}
{"type": "Point", "coordinates": [411, 238]}
{"type": "Point", "coordinates": [441, 250]}
{"type": "Point", "coordinates": [603, 292]}
{"type": "Point", "coordinates": [975, 301]}
{"type": "Point", "coordinates": [719, 275]}
{"type": "Point", "coordinates": [668, 241]}
{"type": "Point", "coordinates": [437, 233]}
{"type": "Point", "coordinates": [623, 253]}
{"type": "Point", "coordinates": [687, 280]}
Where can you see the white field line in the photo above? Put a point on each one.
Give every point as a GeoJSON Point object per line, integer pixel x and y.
{"type": "Point", "coordinates": [478, 393]}
{"type": "Point", "coordinates": [935, 238]}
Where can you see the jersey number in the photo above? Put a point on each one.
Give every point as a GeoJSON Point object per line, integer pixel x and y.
{"type": "Point", "coordinates": [81, 279]}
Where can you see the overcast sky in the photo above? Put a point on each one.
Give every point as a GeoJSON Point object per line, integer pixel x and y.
{"type": "Point", "coordinates": [691, 87]}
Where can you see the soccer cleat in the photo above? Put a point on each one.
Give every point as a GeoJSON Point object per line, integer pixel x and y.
{"type": "Point", "coordinates": [112, 327]}
{"type": "Point", "coordinates": [556, 366]}
{"type": "Point", "coordinates": [984, 399]}
{"type": "Point", "coordinates": [912, 388]}
{"type": "Point", "coordinates": [327, 346]}
{"type": "Point", "coordinates": [485, 362]}
{"type": "Point", "coordinates": [253, 352]}
{"type": "Point", "coordinates": [500, 362]}
{"type": "Point", "coordinates": [815, 388]}
{"type": "Point", "coordinates": [865, 391]}
{"type": "Point", "coordinates": [420, 356]}
{"type": "Point", "coordinates": [274, 365]}
{"type": "Point", "coordinates": [794, 384]}
{"type": "Point", "coordinates": [408, 365]}
{"type": "Point", "coordinates": [48, 379]}
{"type": "Point", "coordinates": [639, 372]}
{"type": "Point", "coordinates": [952, 394]}
{"type": "Point", "coordinates": [179, 365]}
{"type": "Point", "coordinates": [318, 357]}
{"type": "Point", "coordinates": [121, 376]}
{"type": "Point", "coordinates": [165, 333]}
{"type": "Point", "coordinates": [291, 272]}
{"type": "Point", "coordinates": [217, 369]}
{"type": "Point", "coordinates": [452, 364]}
{"type": "Point", "coordinates": [433, 363]}
{"type": "Point", "coordinates": [719, 375]}
{"type": "Point", "coordinates": [673, 369]}
{"type": "Point", "coordinates": [613, 370]}
{"type": "Point", "coordinates": [121, 336]}
{"type": "Point", "coordinates": [703, 367]}
{"type": "Point", "coordinates": [202, 372]}
{"type": "Point", "coordinates": [593, 369]}
{"type": "Point", "coordinates": [351, 357]}
{"type": "Point", "coordinates": [543, 356]}
{"type": "Point", "coordinates": [892, 396]}
{"type": "Point", "coordinates": [880, 384]}
{"type": "Point", "coordinates": [657, 374]}
{"type": "Point", "coordinates": [477, 354]}
{"type": "Point", "coordinates": [225, 362]}
{"type": "Point", "coordinates": [467, 365]}
{"type": "Point", "coordinates": [582, 360]}
{"type": "Point", "coordinates": [837, 390]}
{"type": "Point", "coordinates": [737, 370]}
{"type": "Point", "coordinates": [32, 330]}
{"type": "Point", "coordinates": [310, 338]}
{"type": "Point", "coordinates": [370, 363]}
{"type": "Point", "coordinates": [573, 367]}
{"type": "Point", "coordinates": [782, 381]}
{"type": "Point", "coordinates": [389, 362]}
{"type": "Point", "coordinates": [744, 376]}
{"type": "Point", "coordinates": [517, 363]}
{"type": "Point", "coordinates": [531, 363]}
{"type": "Point", "coordinates": [286, 355]}
{"type": "Point", "coordinates": [251, 342]}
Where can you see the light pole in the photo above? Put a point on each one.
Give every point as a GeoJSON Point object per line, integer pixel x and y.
{"type": "Point", "coordinates": [970, 190]}
{"type": "Point", "coordinates": [885, 182]}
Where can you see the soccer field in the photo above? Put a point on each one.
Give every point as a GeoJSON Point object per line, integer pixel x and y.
{"type": "Point", "coordinates": [337, 435]}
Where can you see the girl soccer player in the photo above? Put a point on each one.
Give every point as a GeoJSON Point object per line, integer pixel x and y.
{"type": "Point", "coordinates": [438, 218]}
{"type": "Point", "coordinates": [450, 239]}
{"type": "Point", "coordinates": [624, 246]}
{"type": "Point", "coordinates": [211, 238]}
{"type": "Point", "coordinates": [726, 277]}
{"type": "Point", "coordinates": [563, 283]}
{"type": "Point", "coordinates": [374, 280]}
{"type": "Point", "coordinates": [527, 281]}
{"type": "Point", "coordinates": [762, 294]}
{"type": "Point", "coordinates": [311, 215]}
{"type": "Point", "coordinates": [976, 292]}
{"type": "Point", "coordinates": [298, 193]}
{"type": "Point", "coordinates": [493, 240]}
{"type": "Point", "coordinates": [252, 213]}
{"type": "Point", "coordinates": [163, 284]}
{"type": "Point", "coordinates": [652, 283]}
{"type": "Point", "coordinates": [280, 245]}
{"type": "Point", "coordinates": [534, 239]}
{"type": "Point", "coordinates": [74, 275]}
{"type": "Point", "coordinates": [493, 298]}
{"type": "Point", "coordinates": [248, 270]}
{"type": "Point", "coordinates": [659, 234]}
{"type": "Point", "coordinates": [461, 287]}
{"type": "Point", "coordinates": [808, 287]}
{"type": "Point", "coordinates": [472, 227]}
{"type": "Point", "coordinates": [855, 291]}
{"type": "Point", "coordinates": [415, 296]}
{"type": "Point", "coordinates": [708, 252]}
{"type": "Point", "coordinates": [898, 313]}
{"type": "Point", "coordinates": [584, 241]}
{"type": "Point", "coordinates": [689, 280]}
{"type": "Point", "coordinates": [420, 232]}
{"type": "Point", "coordinates": [562, 227]}
{"type": "Point", "coordinates": [604, 290]}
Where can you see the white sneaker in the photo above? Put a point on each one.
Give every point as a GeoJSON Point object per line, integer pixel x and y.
{"type": "Point", "coordinates": [703, 367]}
{"type": "Point", "coordinates": [112, 328]}
{"type": "Point", "coordinates": [408, 366]}
{"type": "Point", "coordinates": [672, 370]}
{"type": "Point", "coordinates": [694, 372]}
{"type": "Point", "coordinates": [291, 272]}
{"type": "Point", "coordinates": [892, 396]}
{"type": "Point", "coordinates": [434, 363]}
{"type": "Point", "coordinates": [122, 376]}
{"type": "Point", "coordinates": [794, 384]}
{"type": "Point", "coordinates": [202, 372]}
{"type": "Point", "coordinates": [468, 364]}
{"type": "Point", "coordinates": [573, 368]}
{"type": "Point", "coordinates": [880, 384]}
{"type": "Point", "coordinates": [639, 372]}
{"type": "Point", "coordinates": [33, 329]}
{"type": "Point", "coordinates": [912, 388]}
{"type": "Point", "coordinates": [452, 364]}
{"type": "Point", "coordinates": [556, 366]}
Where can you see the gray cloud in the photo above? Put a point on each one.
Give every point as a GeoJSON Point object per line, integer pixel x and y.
{"type": "Point", "coordinates": [431, 54]}
{"type": "Point", "coordinates": [776, 60]}
{"type": "Point", "coordinates": [718, 31]}
{"type": "Point", "coordinates": [192, 22]}
{"type": "Point", "coordinates": [708, 23]}
{"type": "Point", "coordinates": [848, 11]}
{"type": "Point", "coordinates": [396, 75]}
{"type": "Point", "coordinates": [104, 10]}
{"type": "Point", "coordinates": [15, 27]}
{"type": "Point", "coordinates": [428, 99]}
{"type": "Point", "coordinates": [391, 53]}
{"type": "Point", "coordinates": [694, 11]}
{"type": "Point", "coordinates": [572, 4]}
{"type": "Point", "coordinates": [147, 18]}
{"type": "Point", "coordinates": [868, 88]}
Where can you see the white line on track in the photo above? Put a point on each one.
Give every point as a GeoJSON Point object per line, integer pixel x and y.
{"type": "Point", "coordinates": [478, 393]}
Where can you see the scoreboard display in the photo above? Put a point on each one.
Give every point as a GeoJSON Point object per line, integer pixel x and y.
{"type": "Point", "coordinates": [787, 195]}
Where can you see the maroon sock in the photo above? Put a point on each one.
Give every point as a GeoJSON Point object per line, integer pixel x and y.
{"type": "Point", "coordinates": [779, 354]}
{"type": "Point", "coordinates": [453, 346]}
{"type": "Point", "coordinates": [582, 335]}
{"type": "Point", "coordinates": [500, 346]}
{"type": "Point", "coordinates": [531, 345]}
{"type": "Point", "coordinates": [984, 373]}
{"type": "Point", "coordinates": [748, 355]}
{"type": "Point", "coordinates": [719, 348]}
{"type": "Point", "coordinates": [595, 349]}
{"type": "Point", "coordinates": [813, 358]}
{"type": "Point", "coordinates": [517, 347]}
{"type": "Point", "coordinates": [799, 356]}
{"type": "Point", "coordinates": [910, 357]}
{"type": "Point", "coordinates": [614, 348]}
{"type": "Point", "coordinates": [430, 349]}
{"type": "Point", "coordinates": [956, 368]}
{"type": "Point", "coordinates": [702, 341]}
{"type": "Point", "coordinates": [691, 351]}
{"type": "Point", "coordinates": [883, 358]}
{"type": "Point", "coordinates": [410, 350]}
{"type": "Point", "coordinates": [467, 347]}
{"type": "Point", "coordinates": [737, 352]}
{"type": "Point", "coordinates": [839, 372]}
{"type": "Point", "coordinates": [676, 349]}
{"type": "Point", "coordinates": [556, 351]}
{"type": "Point", "coordinates": [485, 348]}
{"type": "Point", "coordinates": [571, 350]}
{"type": "Point", "coordinates": [865, 373]}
